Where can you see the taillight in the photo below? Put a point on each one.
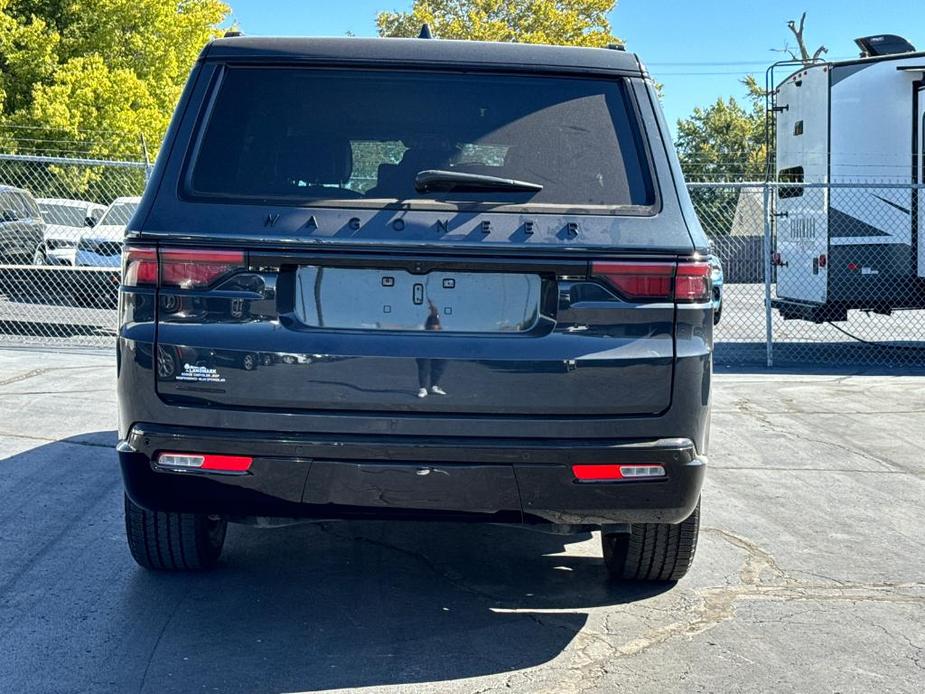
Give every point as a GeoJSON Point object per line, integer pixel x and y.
{"type": "Point", "coordinates": [184, 268]}
{"type": "Point", "coordinates": [139, 267]}
{"type": "Point", "coordinates": [637, 280]}
{"type": "Point", "coordinates": [693, 282]}
{"type": "Point", "coordinates": [193, 268]}
{"type": "Point", "coordinates": [687, 282]}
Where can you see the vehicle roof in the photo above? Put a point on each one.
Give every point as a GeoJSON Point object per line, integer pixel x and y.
{"type": "Point", "coordinates": [67, 202]}
{"type": "Point", "coordinates": [132, 198]}
{"type": "Point", "coordinates": [13, 189]}
{"type": "Point", "coordinates": [422, 53]}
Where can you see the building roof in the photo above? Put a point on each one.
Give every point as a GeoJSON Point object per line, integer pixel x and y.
{"type": "Point", "coordinates": [423, 53]}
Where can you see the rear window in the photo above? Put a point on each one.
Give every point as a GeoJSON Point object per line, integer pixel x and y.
{"type": "Point", "coordinates": [119, 214]}
{"type": "Point", "coordinates": [317, 135]}
{"type": "Point", "coordinates": [63, 215]}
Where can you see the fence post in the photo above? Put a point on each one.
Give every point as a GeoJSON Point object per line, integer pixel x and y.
{"type": "Point", "coordinates": [144, 151]}
{"type": "Point", "coordinates": [768, 323]}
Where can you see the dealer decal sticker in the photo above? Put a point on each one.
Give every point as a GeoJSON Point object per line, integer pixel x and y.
{"type": "Point", "coordinates": [200, 374]}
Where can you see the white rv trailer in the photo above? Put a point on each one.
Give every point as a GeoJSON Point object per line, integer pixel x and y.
{"type": "Point", "coordinates": [852, 122]}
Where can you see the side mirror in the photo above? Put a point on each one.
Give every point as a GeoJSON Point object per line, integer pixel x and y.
{"type": "Point", "coordinates": [90, 222]}
{"type": "Point", "coordinates": [9, 216]}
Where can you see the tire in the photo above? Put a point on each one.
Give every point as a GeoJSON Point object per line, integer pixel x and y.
{"type": "Point", "coordinates": [652, 551]}
{"type": "Point", "coordinates": [164, 541]}
{"type": "Point", "coordinates": [717, 315]}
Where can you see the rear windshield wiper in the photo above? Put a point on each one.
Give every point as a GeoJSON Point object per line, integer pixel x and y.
{"type": "Point", "coordinates": [445, 181]}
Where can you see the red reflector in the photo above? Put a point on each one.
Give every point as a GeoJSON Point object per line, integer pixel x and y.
{"type": "Point", "coordinates": [637, 280]}
{"type": "Point", "coordinates": [823, 260]}
{"type": "Point", "coordinates": [230, 463]}
{"type": "Point", "coordinates": [139, 266]}
{"type": "Point", "coordinates": [205, 461]}
{"type": "Point", "coordinates": [854, 267]}
{"type": "Point", "coordinates": [609, 473]}
{"type": "Point", "coordinates": [190, 268]}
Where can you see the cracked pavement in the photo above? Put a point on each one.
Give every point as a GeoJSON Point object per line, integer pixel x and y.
{"type": "Point", "coordinates": [809, 574]}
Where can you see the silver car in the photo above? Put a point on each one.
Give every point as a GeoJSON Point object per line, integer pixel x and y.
{"type": "Point", "coordinates": [101, 246]}
{"type": "Point", "coordinates": [66, 221]}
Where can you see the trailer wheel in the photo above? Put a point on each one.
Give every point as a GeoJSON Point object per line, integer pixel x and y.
{"type": "Point", "coordinates": [164, 541]}
{"type": "Point", "coordinates": [652, 551]}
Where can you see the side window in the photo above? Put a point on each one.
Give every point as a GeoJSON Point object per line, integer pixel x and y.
{"type": "Point", "coordinates": [7, 210]}
{"type": "Point", "coordinates": [368, 158]}
{"type": "Point", "coordinates": [792, 175]}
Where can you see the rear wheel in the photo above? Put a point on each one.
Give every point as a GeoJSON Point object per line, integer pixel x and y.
{"type": "Point", "coordinates": [165, 541]}
{"type": "Point", "coordinates": [652, 551]}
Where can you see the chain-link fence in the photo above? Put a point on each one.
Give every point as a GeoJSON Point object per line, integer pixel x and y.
{"type": "Point", "coordinates": [61, 226]}
{"type": "Point", "coordinates": [818, 274]}
{"type": "Point", "coordinates": [812, 274]}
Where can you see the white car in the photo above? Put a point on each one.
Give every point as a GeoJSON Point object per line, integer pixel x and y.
{"type": "Point", "coordinates": [101, 246]}
{"type": "Point", "coordinates": [65, 222]}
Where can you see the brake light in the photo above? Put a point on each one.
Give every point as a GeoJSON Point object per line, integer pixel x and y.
{"type": "Point", "coordinates": [613, 473]}
{"type": "Point", "coordinates": [184, 268]}
{"type": "Point", "coordinates": [687, 282]}
{"type": "Point", "coordinates": [207, 461]}
{"type": "Point", "coordinates": [192, 268]}
{"type": "Point", "coordinates": [139, 266]}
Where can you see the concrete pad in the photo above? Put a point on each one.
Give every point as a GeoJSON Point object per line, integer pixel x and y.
{"type": "Point", "coordinates": [808, 575]}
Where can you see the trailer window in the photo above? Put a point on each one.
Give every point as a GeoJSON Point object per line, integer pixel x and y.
{"type": "Point", "coordinates": [793, 175]}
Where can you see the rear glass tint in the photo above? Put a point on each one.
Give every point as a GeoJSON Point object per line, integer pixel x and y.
{"type": "Point", "coordinates": [312, 134]}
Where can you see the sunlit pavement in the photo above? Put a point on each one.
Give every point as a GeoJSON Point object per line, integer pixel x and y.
{"type": "Point", "coordinates": [809, 576]}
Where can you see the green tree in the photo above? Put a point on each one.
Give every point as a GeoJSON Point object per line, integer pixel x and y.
{"type": "Point", "coordinates": [726, 140]}
{"type": "Point", "coordinates": [561, 22]}
{"type": "Point", "coordinates": [723, 142]}
{"type": "Point", "coordinates": [93, 76]}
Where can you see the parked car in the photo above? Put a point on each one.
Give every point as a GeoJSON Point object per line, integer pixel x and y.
{"type": "Point", "coordinates": [21, 225]}
{"type": "Point", "coordinates": [716, 277]}
{"type": "Point", "coordinates": [490, 264]}
{"type": "Point", "coordinates": [101, 246]}
{"type": "Point", "coordinates": [65, 223]}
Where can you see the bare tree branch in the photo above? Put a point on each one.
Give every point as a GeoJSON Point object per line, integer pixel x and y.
{"type": "Point", "coordinates": [801, 43]}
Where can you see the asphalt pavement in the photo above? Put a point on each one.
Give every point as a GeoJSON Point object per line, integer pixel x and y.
{"type": "Point", "coordinates": [809, 577]}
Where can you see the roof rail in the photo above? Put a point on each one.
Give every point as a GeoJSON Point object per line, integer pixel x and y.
{"type": "Point", "coordinates": [232, 33]}
{"type": "Point", "coordinates": [616, 46]}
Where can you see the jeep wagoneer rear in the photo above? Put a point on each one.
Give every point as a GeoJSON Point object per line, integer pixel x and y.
{"type": "Point", "coordinates": [415, 279]}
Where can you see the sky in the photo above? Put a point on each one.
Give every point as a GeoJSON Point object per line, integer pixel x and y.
{"type": "Point", "coordinates": [698, 49]}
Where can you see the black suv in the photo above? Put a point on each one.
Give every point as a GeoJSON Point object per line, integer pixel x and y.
{"type": "Point", "coordinates": [415, 279]}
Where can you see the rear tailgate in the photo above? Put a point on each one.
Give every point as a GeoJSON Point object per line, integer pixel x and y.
{"type": "Point", "coordinates": [365, 332]}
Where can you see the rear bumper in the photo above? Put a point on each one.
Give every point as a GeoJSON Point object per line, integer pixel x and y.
{"type": "Point", "coordinates": [402, 477]}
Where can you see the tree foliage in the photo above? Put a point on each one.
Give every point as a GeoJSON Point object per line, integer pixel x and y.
{"type": "Point", "coordinates": [726, 140]}
{"type": "Point", "coordinates": [93, 76]}
{"type": "Point", "coordinates": [561, 22]}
